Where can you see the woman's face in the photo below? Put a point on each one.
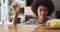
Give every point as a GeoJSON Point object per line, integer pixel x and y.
{"type": "Point", "coordinates": [42, 12]}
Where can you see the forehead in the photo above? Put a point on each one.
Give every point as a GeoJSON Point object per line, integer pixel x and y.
{"type": "Point", "coordinates": [42, 7]}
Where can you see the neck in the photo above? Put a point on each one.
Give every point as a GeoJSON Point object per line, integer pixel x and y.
{"type": "Point", "coordinates": [41, 21]}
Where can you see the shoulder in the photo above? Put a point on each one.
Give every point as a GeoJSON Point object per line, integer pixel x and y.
{"type": "Point", "coordinates": [31, 21]}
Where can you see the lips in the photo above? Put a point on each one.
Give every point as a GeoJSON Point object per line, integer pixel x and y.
{"type": "Point", "coordinates": [43, 17]}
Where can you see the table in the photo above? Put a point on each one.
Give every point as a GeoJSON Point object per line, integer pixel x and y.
{"type": "Point", "coordinates": [17, 28]}
{"type": "Point", "coordinates": [43, 28]}
{"type": "Point", "coordinates": [26, 28]}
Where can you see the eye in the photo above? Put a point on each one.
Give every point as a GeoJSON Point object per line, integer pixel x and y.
{"type": "Point", "coordinates": [40, 10]}
{"type": "Point", "coordinates": [45, 10]}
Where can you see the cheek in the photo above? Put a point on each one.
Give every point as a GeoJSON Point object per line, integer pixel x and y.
{"type": "Point", "coordinates": [46, 13]}
{"type": "Point", "coordinates": [38, 13]}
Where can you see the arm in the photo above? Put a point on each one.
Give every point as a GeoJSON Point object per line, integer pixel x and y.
{"type": "Point", "coordinates": [15, 18]}
{"type": "Point", "coordinates": [16, 12]}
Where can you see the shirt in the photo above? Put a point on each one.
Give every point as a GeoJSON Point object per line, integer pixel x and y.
{"type": "Point", "coordinates": [32, 22]}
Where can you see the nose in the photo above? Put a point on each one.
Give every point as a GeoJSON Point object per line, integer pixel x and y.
{"type": "Point", "coordinates": [42, 12]}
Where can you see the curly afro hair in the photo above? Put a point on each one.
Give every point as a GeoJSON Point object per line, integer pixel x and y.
{"type": "Point", "coordinates": [48, 3]}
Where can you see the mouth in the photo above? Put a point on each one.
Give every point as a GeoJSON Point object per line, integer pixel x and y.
{"type": "Point", "coordinates": [43, 17]}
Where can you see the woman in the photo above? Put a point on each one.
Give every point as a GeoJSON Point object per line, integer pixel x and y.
{"type": "Point", "coordinates": [42, 9]}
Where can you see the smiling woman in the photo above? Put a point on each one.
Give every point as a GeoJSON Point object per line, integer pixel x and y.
{"type": "Point", "coordinates": [42, 9]}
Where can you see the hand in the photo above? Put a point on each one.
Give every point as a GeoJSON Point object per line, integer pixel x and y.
{"type": "Point", "coordinates": [16, 7]}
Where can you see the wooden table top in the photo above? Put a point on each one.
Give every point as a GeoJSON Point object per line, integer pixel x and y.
{"type": "Point", "coordinates": [26, 28]}
{"type": "Point", "coordinates": [17, 28]}
{"type": "Point", "coordinates": [43, 28]}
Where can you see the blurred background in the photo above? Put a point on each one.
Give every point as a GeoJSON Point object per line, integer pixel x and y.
{"type": "Point", "coordinates": [0, 10]}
